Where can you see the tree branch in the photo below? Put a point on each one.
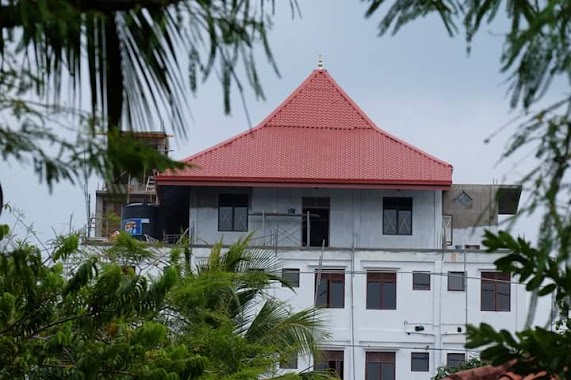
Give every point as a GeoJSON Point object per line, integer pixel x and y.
{"type": "Point", "coordinates": [10, 16]}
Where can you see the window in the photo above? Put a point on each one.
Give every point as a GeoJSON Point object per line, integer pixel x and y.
{"type": "Point", "coordinates": [419, 361]}
{"type": "Point", "coordinates": [456, 281]}
{"type": "Point", "coordinates": [330, 361]}
{"type": "Point", "coordinates": [495, 291]}
{"type": "Point", "coordinates": [454, 360]}
{"type": "Point", "coordinates": [380, 366]}
{"type": "Point", "coordinates": [420, 280]}
{"type": "Point", "coordinates": [291, 277]}
{"type": "Point", "coordinates": [397, 216]}
{"type": "Point", "coordinates": [330, 289]}
{"type": "Point", "coordinates": [289, 362]}
{"type": "Point", "coordinates": [233, 212]}
{"type": "Point", "coordinates": [381, 290]}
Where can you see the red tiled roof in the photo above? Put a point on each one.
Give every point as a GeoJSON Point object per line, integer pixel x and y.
{"type": "Point", "coordinates": [317, 136]}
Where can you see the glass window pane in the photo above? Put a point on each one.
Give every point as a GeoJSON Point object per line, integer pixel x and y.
{"type": "Point", "coordinates": [503, 297]}
{"type": "Point", "coordinates": [405, 222]}
{"type": "Point", "coordinates": [373, 295]}
{"type": "Point", "coordinates": [488, 302]}
{"type": "Point", "coordinates": [225, 218]}
{"type": "Point", "coordinates": [454, 360]}
{"type": "Point", "coordinates": [419, 361]}
{"type": "Point", "coordinates": [456, 281]}
{"type": "Point", "coordinates": [420, 281]}
{"type": "Point", "coordinates": [387, 371]}
{"type": "Point", "coordinates": [389, 222]}
{"type": "Point", "coordinates": [373, 371]}
{"type": "Point", "coordinates": [337, 296]}
{"type": "Point", "coordinates": [289, 362]}
{"type": "Point", "coordinates": [389, 296]}
{"type": "Point", "coordinates": [240, 219]}
{"type": "Point", "coordinates": [291, 277]}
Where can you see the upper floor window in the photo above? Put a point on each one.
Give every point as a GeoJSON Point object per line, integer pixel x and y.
{"type": "Point", "coordinates": [457, 281]}
{"type": "Point", "coordinates": [420, 280]}
{"type": "Point", "coordinates": [233, 212]}
{"type": "Point", "coordinates": [382, 290]}
{"type": "Point", "coordinates": [330, 289]}
{"type": "Point", "coordinates": [380, 366]}
{"type": "Point", "coordinates": [397, 216]}
{"type": "Point", "coordinates": [495, 291]}
{"type": "Point", "coordinates": [453, 360]}
{"type": "Point", "coordinates": [332, 361]}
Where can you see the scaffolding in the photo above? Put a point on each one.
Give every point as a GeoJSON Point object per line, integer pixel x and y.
{"type": "Point", "coordinates": [281, 234]}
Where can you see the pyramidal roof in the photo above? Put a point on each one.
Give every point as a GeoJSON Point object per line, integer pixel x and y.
{"type": "Point", "coordinates": [317, 137]}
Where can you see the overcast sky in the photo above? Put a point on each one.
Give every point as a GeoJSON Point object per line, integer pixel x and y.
{"type": "Point", "coordinates": [419, 85]}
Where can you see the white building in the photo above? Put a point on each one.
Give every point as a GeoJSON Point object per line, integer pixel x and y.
{"type": "Point", "coordinates": [367, 226]}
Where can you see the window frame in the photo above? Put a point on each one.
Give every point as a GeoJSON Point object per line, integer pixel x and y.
{"type": "Point", "coordinates": [381, 357]}
{"type": "Point", "coordinates": [397, 204]}
{"type": "Point", "coordinates": [490, 277]}
{"type": "Point", "coordinates": [415, 286]}
{"type": "Point", "coordinates": [331, 356]}
{"type": "Point", "coordinates": [330, 276]}
{"type": "Point", "coordinates": [233, 202]}
{"type": "Point", "coordinates": [448, 356]}
{"type": "Point", "coordinates": [291, 271]}
{"type": "Point", "coordinates": [425, 357]}
{"type": "Point", "coordinates": [382, 278]}
{"type": "Point", "coordinates": [289, 362]}
{"type": "Point", "coordinates": [454, 274]}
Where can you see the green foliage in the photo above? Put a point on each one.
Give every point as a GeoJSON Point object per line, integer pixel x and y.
{"type": "Point", "coordinates": [84, 313]}
{"type": "Point", "coordinates": [443, 372]}
{"type": "Point", "coordinates": [536, 52]}
{"type": "Point", "coordinates": [536, 46]}
{"type": "Point", "coordinates": [130, 56]}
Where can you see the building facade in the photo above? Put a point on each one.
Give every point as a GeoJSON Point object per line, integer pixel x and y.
{"type": "Point", "coordinates": [366, 226]}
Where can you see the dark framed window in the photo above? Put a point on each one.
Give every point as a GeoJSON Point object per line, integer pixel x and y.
{"type": "Point", "coordinates": [420, 280]}
{"type": "Point", "coordinates": [457, 281]}
{"type": "Point", "coordinates": [419, 361]}
{"type": "Point", "coordinates": [495, 291]}
{"type": "Point", "coordinates": [233, 212]}
{"type": "Point", "coordinates": [380, 366]}
{"type": "Point", "coordinates": [453, 360]}
{"type": "Point", "coordinates": [382, 290]}
{"type": "Point", "coordinates": [291, 277]}
{"type": "Point", "coordinates": [330, 361]}
{"type": "Point", "coordinates": [289, 362]}
{"type": "Point", "coordinates": [397, 216]}
{"type": "Point", "coordinates": [330, 289]}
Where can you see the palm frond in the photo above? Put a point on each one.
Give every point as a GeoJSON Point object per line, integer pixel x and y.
{"type": "Point", "coordinates": [275, 324]}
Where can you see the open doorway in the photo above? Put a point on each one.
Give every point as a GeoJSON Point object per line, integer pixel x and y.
{"type": "Point", "coordinates": [318, 208]}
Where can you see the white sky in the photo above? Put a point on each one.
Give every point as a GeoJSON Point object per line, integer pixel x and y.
{"type": "Point", "coordinates": [419, 85]}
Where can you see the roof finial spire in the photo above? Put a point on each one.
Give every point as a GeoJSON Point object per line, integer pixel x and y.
{"type": "Point", "coordinates": [320, 62]}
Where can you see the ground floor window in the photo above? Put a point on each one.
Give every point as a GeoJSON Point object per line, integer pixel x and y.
{"type": "Point", "coordinates": [380, 366]}
{"type": "Point", "coordinates": [330, 361]}
{"type": "Point", "coordinates": [453, 360]}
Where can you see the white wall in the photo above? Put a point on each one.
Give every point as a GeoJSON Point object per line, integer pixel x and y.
{"type": "Point", "coordinates": [354, 215]}
{"type": "Point", "coordinates": [439, 311]}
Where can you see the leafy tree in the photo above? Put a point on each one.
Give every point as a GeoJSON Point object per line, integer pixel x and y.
{"type": "Point", "coordinates": [536, 53]}
{"type": "Point", "coordinates": [113, 314]}
{"type": "Point", "coordinates": [137, 58]}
